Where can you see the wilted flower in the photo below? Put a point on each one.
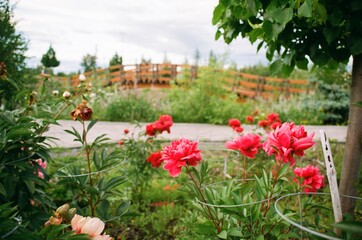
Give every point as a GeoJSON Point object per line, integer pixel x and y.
{"type": "Point", "coordinates": [82, 111]}
{"type": "Point", "coordinates": [312, 179]}
{"type": "Point", "coordinates": [3, 71]}
{"type": "Point", "coordinates": [248, 145]}
{"type": "Point", "coordinates": [180, 153]}
{"type": "Point", "coordinates": [66, 94]}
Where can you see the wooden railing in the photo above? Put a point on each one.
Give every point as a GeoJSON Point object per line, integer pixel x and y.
{"type": "Point", "coordinates": [251, 86]}
{"type": "Point", "coordinates": [135, 76]}
{"type": "Point", "coordinates": [160, 75]}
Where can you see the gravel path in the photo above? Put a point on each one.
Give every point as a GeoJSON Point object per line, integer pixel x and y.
{"type": "Point", "coordinates": [201, 132]}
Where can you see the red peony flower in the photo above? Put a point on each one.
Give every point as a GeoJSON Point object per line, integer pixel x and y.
{"type": "Point", "coordinates": [180, 153]}
{"type": "Point", "coordinates": [126, 131]}
{"type": "Point", "coordinates": [312, 179]}
{"type": "Point", "coordinates": [287, 140]}
{"type": "Point", "coordinates": [155, 159]}
{"type": "Point", "coordinates": [233, 123]}
{"type": "Point", "coordinates": [120, 142]}
{"type": "Point", "coordinates": [150, 130]}
{"type": "Point", "coordinates": [272, 121]}
{"type": "Point", "coordinates": [248, 145]}
{"type": "Point", "coordinates": [163, 123]}
{"type": "Point", "coordinates": [249, 119]}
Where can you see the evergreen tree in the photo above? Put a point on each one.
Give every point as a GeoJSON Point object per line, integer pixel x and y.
{"type": "Point", "coordinates": [116, 60]}
{"type": "Point", "coordinates": [49, 59]}
{"type": "Point", "coordinates": [12, 55]}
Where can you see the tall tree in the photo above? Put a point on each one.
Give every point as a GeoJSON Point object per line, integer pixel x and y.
{"type": "Point", "coordinates": [296, 32]}
{"type": "Point", "coordinates": [89, 62]}
{"type": "Point", "coordinates": [49, 59]}
{"type": "Point", "coordinates": [12, 54]}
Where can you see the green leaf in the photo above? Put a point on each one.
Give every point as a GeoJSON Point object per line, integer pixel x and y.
{"type": "Point", "coordinates": [223, 234]}
{"type": "Point", "coordinates": [91, 124]}
{"type": "Point", "coordinates": [276, 67]}
{"type": "Point", "coordinates": [349, 226]}
{"type": "Point", "coordinates": [302, 64]}
{"type": "Point", "coordinates": [330, 34]}
{"type": "Point", "coordinates": [321, 13]}
{"type": "Point", "coordinates": [283, 16]}
{"type": "Point", "coordinates": [218, 12]}
{"type": "Point", "coordinates": [306, 9]}
{"type": "Point", "coordinates": [255, 34]}
{"type": "Point", "coordinates": [122, 208]}
{"type": "Point", "coordinates": [287, 70]}
{"type": "Point", "coordinates": [272, 30]}
{"type": "Point", "coordinates": [260, 237]}
{"type": "Point", "coordinates": [251, 7]}
{"type": "Point", "coordinates": [217, 35]}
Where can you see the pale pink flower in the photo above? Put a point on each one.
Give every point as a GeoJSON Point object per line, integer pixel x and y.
{"type": "Point", "coordinates": [91, 226]}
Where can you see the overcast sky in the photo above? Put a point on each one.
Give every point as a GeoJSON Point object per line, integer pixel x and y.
{"type": "Point", "coordinates": [133, 28]}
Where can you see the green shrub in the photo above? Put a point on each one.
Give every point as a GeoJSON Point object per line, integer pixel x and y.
{"type": "Point", "coordinates": [131, 108]}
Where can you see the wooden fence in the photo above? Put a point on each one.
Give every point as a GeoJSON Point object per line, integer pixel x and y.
{"type": "Point", "coordinates": [160, 75]}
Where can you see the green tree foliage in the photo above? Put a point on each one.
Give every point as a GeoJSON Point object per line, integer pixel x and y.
{"type": "Point", "coordinates": [324, 31]}
{"type": "Point", "coordinates": [49, 59]}
{"type": "Point", "coordinates": [89, 62]}
{"type": "Point", "coordinates": [116, 60]}
{"type": "Point", "coordinates": [12, 50]}
{"type": "Point", "coordinates": [297, 32]}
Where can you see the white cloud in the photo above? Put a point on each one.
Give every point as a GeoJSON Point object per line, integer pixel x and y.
{"type": "Point", "coordinates": [133, 28]}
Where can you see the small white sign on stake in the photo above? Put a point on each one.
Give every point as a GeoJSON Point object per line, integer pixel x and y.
{"type": "Point", "coordinates": [332, 177]}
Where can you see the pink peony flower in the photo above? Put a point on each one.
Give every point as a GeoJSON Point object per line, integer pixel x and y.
{"type": "Point", "coordinates": [312, 179]}
{"type": "Point", "coordinates": [91, 226]}
{"type": "Point", "coordinates": [248, 145]}
{"type": "Point", "coordinates": [155, 159]}
{"type": "Point", "coordinates": [180, 153]}
{"type": "Point", "coordinates": [286, 141]}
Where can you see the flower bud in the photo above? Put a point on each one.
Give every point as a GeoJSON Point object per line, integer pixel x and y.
{"type": "Point", "coordinates": [66, 95]}
{"type": "Point", "coordinates": [63, 210]}
{"type": "Point", "coordinates": [82, 77]}
{"type": "Point", "coordinates": [70, 214]}
{"type": "Point", "coordinates": [55, 92]}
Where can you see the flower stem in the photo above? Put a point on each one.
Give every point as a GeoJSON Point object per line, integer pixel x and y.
{"type": "Point", "coordinates": [216, 222]}
{"type": "Point", "coordinates": [244, 168]}
{"type": "Point", "coordinates": [88, 151]}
